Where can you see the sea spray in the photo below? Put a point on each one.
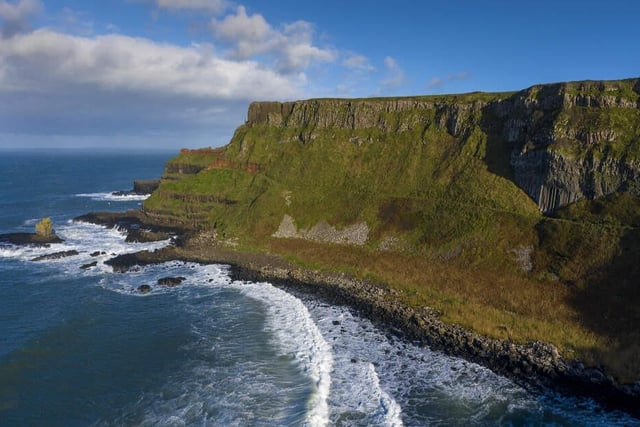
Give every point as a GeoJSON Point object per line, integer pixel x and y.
{"type": "Point", "coordinates": [114, 197]}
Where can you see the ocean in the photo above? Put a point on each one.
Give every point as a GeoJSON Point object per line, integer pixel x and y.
{"type": "Point", "coordinates": [81, 347]}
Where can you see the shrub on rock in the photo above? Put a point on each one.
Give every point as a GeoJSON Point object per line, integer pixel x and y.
{"type": "Point", "coordinates": [44, 227]}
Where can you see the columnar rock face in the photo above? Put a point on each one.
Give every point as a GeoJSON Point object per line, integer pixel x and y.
{"type": "Point", "coordinates": [565, 141]}
{"type": "Point", "coordinates": [573, 141]}
{"type": "Point", "coordinates": [384, 114]}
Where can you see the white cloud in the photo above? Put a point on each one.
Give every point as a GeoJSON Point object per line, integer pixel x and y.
{"type": "Point", "coordinates": [437, 82]}
{"type": "Point", "coordinates": [65, 80]}
{"type": "Point", "coordinates": [57, 83]}
{"type": "Point", "coordinates": [15, 16]}
{"type": "Point", "coordinates": [243, 28]}
{"type": "Point", "coordinates": [290, 48]}
{"type": "Point", "coordinates": [395, 74]}
{"type": "Point", "coordinates": [214, 6]}
{"type": "Point", "coordinates": [47, 59]}
{"type": "Point", "coordinates": [358, 62]}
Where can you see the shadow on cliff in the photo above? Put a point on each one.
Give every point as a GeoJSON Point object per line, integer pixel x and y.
{"type": "Point", "coordinates": [498, 150]}
{"type": "Point", "coordinates": [609, 305]}
{"type": "Point", "coordinates": [498, 157]}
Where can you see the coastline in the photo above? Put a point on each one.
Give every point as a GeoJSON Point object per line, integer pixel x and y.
{"type": "Point", "coordinates": [535, 365]}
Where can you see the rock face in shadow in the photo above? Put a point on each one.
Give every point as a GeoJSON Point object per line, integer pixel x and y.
{"type": "Point", "coordinates": [145, 186]}
{"type": "Point", "coordinates": [573, 141]}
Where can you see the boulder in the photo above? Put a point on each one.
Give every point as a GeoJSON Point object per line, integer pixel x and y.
{"type": "Point", "coordinates": [144, 289]}
{"type": "Point", "coordinates": [170, 281]}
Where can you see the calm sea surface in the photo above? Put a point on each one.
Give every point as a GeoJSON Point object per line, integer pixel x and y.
{"type": "Point", "coordinates": [82, 348]}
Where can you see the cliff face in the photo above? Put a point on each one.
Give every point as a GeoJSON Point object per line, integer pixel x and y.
{"type": "Point", "coordinates": [431, 172]}
{"type": "Point", "coordinates": [575, 140]}
{"type": "Point", "coordinates": [565, 142]}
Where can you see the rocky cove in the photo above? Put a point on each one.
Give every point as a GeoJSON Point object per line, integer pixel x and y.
{"type": "Point", "coordinates": [536, 365]}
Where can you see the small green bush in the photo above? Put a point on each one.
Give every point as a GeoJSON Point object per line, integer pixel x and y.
{"type": "Point", "coordinates": [44, 227]}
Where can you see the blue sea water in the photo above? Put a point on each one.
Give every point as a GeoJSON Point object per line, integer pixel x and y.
{"type": "Point", "coordinates": [83, 348]}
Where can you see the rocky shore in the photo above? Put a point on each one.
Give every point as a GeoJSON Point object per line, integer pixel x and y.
{"type": "Point", "coordinates": [534, 365]}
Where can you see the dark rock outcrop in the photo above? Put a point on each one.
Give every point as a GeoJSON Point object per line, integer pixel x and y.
{"type": "Point", "coordinates": [137, 226]}
{"type": "Point", "coordinates": [88, 265]}
{"type": "Point", "coordinates": [140, 188]}
{"type": "Point", "coordinates": [29, 239]}
{"type": "Point", "coordinates": [125, 262]}
{"type": "Point", "coordinates": [144, 289]}
{"type": "Point", "coordinates": [145, 186]}
{"type": "Point", "coordinates": [56, 255]}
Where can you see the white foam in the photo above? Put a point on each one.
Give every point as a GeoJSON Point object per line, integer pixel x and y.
{"type": "Point", "coordinates": [357, 393]}
{"type": "Point", "coordinates": [298, 336]}
{"type": "Point", "coordinates": [373, 372]}
{"type": "Point", "coordinates": [240, 391]}
{"type": "Point", "coordinates": [84, 238]}
{"type": "Point", "coordinates": [111, 197]}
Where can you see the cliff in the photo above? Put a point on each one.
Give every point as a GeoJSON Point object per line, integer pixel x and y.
{"type": "Point", "coordinates": [566, 141]}
{"type": "Point", "coordinates": [514, 214]}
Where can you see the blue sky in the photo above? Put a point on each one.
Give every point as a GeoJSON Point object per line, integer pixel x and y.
{"type": "Point", "coordinates": [180, 73]}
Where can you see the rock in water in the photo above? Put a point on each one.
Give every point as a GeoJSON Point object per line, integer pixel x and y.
{"type": "Point", "coordinates": [29, 239]}
{"type": "Point", "coordinates": [144, 289]}
{"type": "Point", "coordinates": [89, 265]}
{"type": "Point", "coordinates": [56, 255]}
{"type": "Point", "coordinates": [170, 281]}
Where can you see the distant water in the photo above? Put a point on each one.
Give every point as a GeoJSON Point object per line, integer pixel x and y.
{"type": "Point", "coordinates": [82, 348]}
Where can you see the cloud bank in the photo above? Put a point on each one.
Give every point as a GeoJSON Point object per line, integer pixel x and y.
{"type": "Point", "coordinates": [79, 83]}
{"type": "Point", "coordinates": [15, 17]}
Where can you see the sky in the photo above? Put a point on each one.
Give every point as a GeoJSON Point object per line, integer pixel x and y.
{"type": "Point", "coordinates": [167, 74]}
